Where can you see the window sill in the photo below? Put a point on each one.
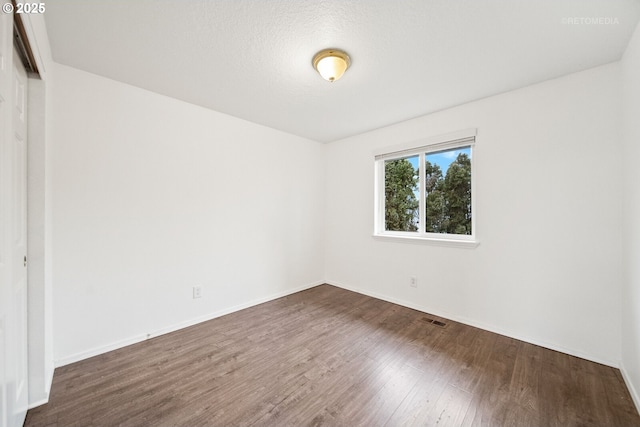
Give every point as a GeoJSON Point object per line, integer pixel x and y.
{"type": "Point", "coordinates": [453, 243]}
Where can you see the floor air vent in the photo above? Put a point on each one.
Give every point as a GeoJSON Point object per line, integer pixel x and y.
{"type": "Point", "coordinates": [434, 322]}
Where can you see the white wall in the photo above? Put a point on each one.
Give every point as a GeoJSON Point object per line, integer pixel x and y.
{"type": "Point", "coordinates": [548, 267]}
{"type": "Point", "coordinates": [153, 196]}
{"type": "Point", "coordinates": [631, 214]}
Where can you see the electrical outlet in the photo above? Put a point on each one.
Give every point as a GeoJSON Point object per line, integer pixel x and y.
{"type": "Point", "coordinates": [413, 282]}
{"type": "Point", "coordinates": [197, 292]}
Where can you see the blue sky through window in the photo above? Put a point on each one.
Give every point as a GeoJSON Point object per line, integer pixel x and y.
{"type": "Point", "coordinates": [445, 158]}
{"type": "Point", "coordinates": [441, 158]}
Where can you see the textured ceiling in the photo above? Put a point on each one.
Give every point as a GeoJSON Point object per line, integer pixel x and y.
{"type": "Point", "coordinates": [252, 58]}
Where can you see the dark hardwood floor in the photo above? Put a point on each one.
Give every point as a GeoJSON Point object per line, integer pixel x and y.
{"type": "Point", "coordinates": [331, 357]}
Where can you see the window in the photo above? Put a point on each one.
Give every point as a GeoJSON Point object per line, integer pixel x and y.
{"type": "Point", "coordinates": [424, 190]}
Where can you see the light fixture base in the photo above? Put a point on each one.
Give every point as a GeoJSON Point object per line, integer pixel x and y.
{"type": "Point", "coordinates": [331, 63]}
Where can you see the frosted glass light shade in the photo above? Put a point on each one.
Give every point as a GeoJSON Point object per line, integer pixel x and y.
{"type": "Point", "coordinates": [331, 63]}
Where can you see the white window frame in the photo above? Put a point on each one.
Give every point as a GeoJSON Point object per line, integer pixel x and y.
{"type": "Point", "coordinates": [465, 138]}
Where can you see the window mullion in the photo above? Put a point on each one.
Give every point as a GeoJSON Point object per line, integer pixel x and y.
{"type": "Point", "coordinates": [380, 222]}
{"type": "Point", "coordinates": [421, 200]}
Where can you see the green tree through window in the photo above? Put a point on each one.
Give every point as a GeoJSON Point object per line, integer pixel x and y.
{"type": "Point", "coordinates": [448, 198]}
{"type": "Point", "coordinates": [401, 203]}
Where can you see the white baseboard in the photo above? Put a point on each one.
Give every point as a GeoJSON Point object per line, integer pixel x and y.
{"type": "Point", "coordinates": [49, 381]}
{"type": "Point", "coordinates": [47, 390]}
{"type": "Point", "coordinates": [38, 403]}
{"type": "Point", "coordinates": [172, 328]}
{"type": "Point", "coordinates": [476, 324]}
{"type": "Point", "coordinates": [632, 390]}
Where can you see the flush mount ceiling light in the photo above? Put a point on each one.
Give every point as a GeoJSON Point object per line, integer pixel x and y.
{"type": "Point", "coordinates": [331, 63]}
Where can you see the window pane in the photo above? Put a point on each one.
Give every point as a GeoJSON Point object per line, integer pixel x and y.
{"type": "Point", "coordinates": [448, 191]}
{"type": "Point", "coordinates": [401, 205]}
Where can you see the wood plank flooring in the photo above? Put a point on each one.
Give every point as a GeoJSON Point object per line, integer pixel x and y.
{"type": "Point", "coordinates": [327, 356]}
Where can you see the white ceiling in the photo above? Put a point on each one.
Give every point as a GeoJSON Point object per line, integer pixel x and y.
{"type": "Point", "coordinates": [252, 58]}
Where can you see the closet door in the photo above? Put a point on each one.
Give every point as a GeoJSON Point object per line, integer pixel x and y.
{"type": "Point", "coordinates": [13, 233]}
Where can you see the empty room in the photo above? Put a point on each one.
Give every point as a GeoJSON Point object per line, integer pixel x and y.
{"type": "Point", "coordinates": [328, 213]}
